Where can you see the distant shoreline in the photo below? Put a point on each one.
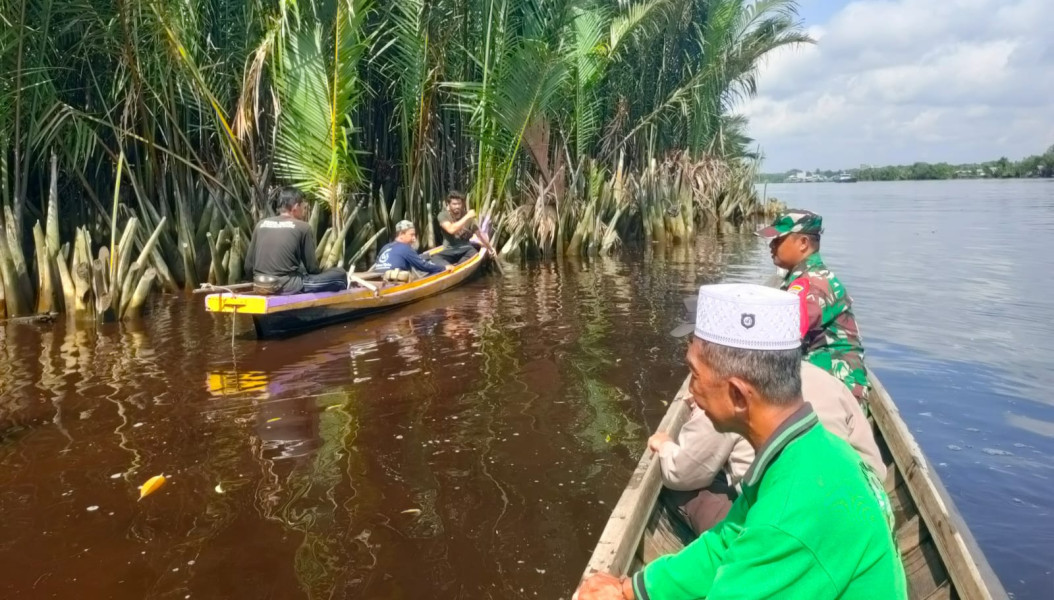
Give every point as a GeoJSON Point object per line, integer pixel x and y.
{"type": "Point", "coordinates": [1035, 178]}
{"type": "Point", "coordinates": [1037, 166]}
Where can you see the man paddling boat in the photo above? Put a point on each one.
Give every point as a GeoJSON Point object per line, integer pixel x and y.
{"type": "Point", "coordinates": [833, 339]}
{"type": "Point", "coordinates": [813, 520]}
{"type": "Point", "coordinates": [457, 226]}
{"type": "Point", "coordinates": [281, 256]}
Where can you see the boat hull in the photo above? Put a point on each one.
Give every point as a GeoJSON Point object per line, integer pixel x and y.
{"type": "Point", "coordinates": [279, 316]}
{"type": "Point", "coordinates": [940, 556]}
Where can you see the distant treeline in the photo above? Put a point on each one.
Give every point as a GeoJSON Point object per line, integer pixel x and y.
{"type": "Point", "coordinates": [1040, 165]}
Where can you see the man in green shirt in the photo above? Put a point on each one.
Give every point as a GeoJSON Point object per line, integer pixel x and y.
{"type": "Point", "coordinates": [832, 341]}
{"type": "Point", "coordinates": [457, 227]}
{"type": "Point", "coordinates": [813, 520]}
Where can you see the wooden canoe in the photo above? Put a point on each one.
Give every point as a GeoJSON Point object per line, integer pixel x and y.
{"type": "Point", "coordinates": [282, 315]}
{"type": "Point", "coordinates": [941, 558]}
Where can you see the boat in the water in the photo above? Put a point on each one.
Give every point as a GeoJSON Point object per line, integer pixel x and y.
{"type": "Point", "coordinates": [940, 556]}
{"type": "Point", "coordinates": [844, 178]}
{"type": "Point", "coordinates": [282, 315]}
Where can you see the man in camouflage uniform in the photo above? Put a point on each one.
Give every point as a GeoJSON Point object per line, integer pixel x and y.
{"type": "Point", "coordinates": [832, 339]}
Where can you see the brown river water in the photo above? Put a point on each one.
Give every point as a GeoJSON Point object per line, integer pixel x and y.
{"type": "Point", "coordinates": [472, 445]}
{"type": "Point", "coordinates": [467, 446]}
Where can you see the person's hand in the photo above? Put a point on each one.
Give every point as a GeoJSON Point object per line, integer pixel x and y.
{"type": "Point", "coordinates": [600, 586]}
{"type": "Point", "coordinates": [449, 268]}
{"type": "Point", "coordinates": [471, 214]}
{"type": "Point", "coordinates": [656, 441]}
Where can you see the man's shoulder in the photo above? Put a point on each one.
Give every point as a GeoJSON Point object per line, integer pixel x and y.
{"type": "Point", "coordinates": [819, 387]}
{"type": "Point", "coordinates": [280, 222]}
{"type": "Point", "coordinates": [444, 216]}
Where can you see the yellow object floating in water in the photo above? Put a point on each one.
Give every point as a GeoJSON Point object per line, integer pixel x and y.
{"type": "Point", "coordinates": [151, 486]}
{"type": "Point", "coordinates": [274, 419]}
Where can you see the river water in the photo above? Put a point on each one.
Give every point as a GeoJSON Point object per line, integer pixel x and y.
{"type": "Point", "coordinates": [472, 445]}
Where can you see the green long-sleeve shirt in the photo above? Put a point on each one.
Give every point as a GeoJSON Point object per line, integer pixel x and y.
{"type": "Point", "coordinates": [813, 522]}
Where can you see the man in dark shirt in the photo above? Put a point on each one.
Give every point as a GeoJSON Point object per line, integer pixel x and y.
{"type": "Point", "coordinates": [281, 255]}
{"type": "Point", "coordinates": [400, 254]}
{"type": "Point", "coordinates": [457, 227]}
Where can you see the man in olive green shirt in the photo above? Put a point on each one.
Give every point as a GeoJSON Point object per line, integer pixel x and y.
{"type": "Point", "coordinates": [457, 227]}
{"type": "Point", "coordinates": [813, 520]}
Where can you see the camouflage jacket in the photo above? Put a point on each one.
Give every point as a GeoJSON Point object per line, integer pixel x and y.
{"type": "Point", "coordinates": [832, 341]}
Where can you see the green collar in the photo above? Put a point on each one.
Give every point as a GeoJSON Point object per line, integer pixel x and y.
{"type": "Point", "coordinates": [791, 429]}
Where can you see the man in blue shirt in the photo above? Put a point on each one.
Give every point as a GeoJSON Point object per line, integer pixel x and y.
{"type": "Point", "coordinates": [400, 254]}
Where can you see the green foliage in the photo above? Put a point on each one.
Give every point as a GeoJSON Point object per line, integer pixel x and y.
{"type": "Point", "coordinates": [376, 110]}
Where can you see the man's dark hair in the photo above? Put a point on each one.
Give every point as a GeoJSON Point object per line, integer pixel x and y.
{"type": "Point", "coordinates": [288, 198]}
{"type": "Point", "coordinates": [455, 195]}
{"type": "Point", "coordinates": [814, 241]}
{"type": "Point", "coordinates": [775, 373]}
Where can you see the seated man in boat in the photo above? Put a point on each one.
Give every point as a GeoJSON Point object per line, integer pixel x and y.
{"type": "Point", "coordinates": [813, 520]}
{"type": "Point", "coordinates": [704, 468]}
{"type": "Point", "coordinates": [457, 226]}
{"type": "Point", "coordinates": [833, 340]}
{"type": "Point", "coordinates": [399, 255]}
{"type": "Point", "coordinates": [281, 255]}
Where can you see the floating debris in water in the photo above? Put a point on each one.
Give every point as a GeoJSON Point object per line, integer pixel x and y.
{"type": "Point", "coordinates": [412, 511]}
{"type": "Point", "coordinates": [954, 447]}
{"type": "Point", "coordinates": [138, 425]}
{"type": "Point", "coordinates": [996, 452]}
{"type": "Point", "coordinates": [93, 508]}
{"type": "Point", "coordinates": [274, 419]}
{"type": "Point", "coordinates": [219, 488]}
{"type": "Point", "coordinates": [151, 486]}
{"type": "Point", "coordinates": [399, 437]}
{"type": "Point", "coordinates": [926, 414]}
{"type": "Point", "coordinates": [115, 476]}
{"type": "Point", "coordinates": [973, 430]}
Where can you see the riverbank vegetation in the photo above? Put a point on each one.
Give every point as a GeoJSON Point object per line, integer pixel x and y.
{"type": "Point", "coordinates": [140, 141]}
{"type": "Point", "coordinates": [1038, 165]}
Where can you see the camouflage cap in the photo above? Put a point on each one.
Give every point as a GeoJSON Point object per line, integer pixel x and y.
{"type": "Point", "coordinates": [795, 220]}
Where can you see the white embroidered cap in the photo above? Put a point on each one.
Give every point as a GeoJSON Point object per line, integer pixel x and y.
{"type": "Point", "coordinates": [748, 316]}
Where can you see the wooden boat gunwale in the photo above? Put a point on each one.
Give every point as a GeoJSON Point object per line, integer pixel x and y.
{"type": "Point", "coordinates": [637, 515]}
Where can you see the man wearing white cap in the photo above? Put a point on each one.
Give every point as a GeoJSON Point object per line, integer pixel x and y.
{"type": "Point", "coordinates": [813, 520]}
{"type": "Point", "coordinates": [703, 469]}
{"type": "Point", "coordinates": [400, 254]}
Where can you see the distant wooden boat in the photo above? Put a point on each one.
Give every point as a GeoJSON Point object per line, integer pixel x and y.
{"type": "Point", "coordinates": [281, 315]}
{"type": "Point", "coordinates": [941, 558]}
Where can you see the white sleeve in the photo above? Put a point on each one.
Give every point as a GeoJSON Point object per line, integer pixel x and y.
{"type": "Point", "coordinates": [699, 453]}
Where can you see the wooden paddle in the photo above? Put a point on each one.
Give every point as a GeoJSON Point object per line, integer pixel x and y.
{"type": "Point", "coordinates": [497, 261]}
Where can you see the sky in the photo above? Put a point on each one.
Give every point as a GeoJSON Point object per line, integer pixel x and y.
{"type": "Point", "coordinates": [902, 81]}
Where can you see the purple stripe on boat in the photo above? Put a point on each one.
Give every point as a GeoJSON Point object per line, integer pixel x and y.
{"type": "Point", "coordinates": [275, 301]}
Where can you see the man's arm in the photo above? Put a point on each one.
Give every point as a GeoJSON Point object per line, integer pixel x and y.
{"type": "Point", "coordinates": [767, 562]}
{"type": "Point", "coordinates": [248, 263]}
{"type": "Point", "coordinates": [307, 251]}
{"type": "Point", "coordinates": [697, 456]}
{"type": "Point", "coordinates": [452, 227]}
{"type": "Point", "coordinates": [421, 264]}
{"type": "Point", "coordinates": [760, 562]}
{"type": "Point", "coordinates": [689, 574]}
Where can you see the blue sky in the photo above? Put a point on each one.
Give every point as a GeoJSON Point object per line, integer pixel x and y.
{"type": "Point", "coordinates": [900, 81]}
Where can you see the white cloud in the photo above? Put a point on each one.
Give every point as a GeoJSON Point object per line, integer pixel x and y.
{"type": "Point", "coordinates": [897, 81]}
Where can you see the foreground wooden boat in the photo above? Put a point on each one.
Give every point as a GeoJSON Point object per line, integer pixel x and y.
{"type": "Point", "coordinates": [275, 316]}
{"type": "Point", "coordinates": [941, 558]}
